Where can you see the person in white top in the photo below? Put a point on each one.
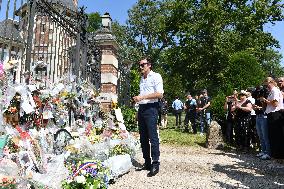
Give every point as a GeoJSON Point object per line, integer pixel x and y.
{"type": "Point", "coordinates": [273, 106]}
{"type": "Point", "coordinates": [252, 129]}
{"type": "Point", "coordinates": [151, 89]}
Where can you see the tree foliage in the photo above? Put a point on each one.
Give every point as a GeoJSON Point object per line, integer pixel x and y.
{"type": "Point", "coordinates": [95, 21]}
{"type": "Point", "coordinates": [216, 44]}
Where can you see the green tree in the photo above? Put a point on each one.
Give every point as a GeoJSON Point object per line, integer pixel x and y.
{"type": "Point", "coordinates": [210, 32]}
{"type": "Point", "coordinates": [147, 27]}
{"type": "Point", "coordinates": [243, 70]}
{"type": "Point", "coordinates": [95, 21]}
{"type": "Point", "coordinates": [198, 44]}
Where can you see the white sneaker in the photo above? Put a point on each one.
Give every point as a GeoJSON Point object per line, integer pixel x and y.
{"type": "Point", "coordinates": [265, 157]}
{"type": "Point", "coordinates": [201, 134]}
{"type": "Point", "coordinates": [260, 154]}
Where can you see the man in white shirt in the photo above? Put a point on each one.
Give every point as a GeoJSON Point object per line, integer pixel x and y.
{"type": "Point", "coordinates": [274, 103]}
{"type": "Point", "coordinates": [151, 89]}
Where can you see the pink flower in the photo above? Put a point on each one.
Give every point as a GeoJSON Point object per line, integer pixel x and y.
{"type": "Point", "coordinates": [4, 180]}
{"type": "Point", "coordinates": [6, 151]}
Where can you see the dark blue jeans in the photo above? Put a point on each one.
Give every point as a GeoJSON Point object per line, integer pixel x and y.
{"type": "Point", "coordinates": [262, 131]}
{"type": "Point", "coordinates": [147, 121]}
{"type": "Point", "coordinates": [178, 117]}
{"type": "Point", "coordinates": [205, 121]}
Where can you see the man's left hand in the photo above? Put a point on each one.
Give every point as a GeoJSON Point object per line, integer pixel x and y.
{"type": "Point", "coordinates": [137, 98]}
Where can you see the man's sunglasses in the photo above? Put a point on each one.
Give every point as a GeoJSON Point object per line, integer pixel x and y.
{"type": "Point", "coordinates": [143, 64]}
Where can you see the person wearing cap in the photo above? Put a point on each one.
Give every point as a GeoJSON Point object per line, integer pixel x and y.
{"type": "Point", "coordinates": [204, 109]}
{"type": "Point", "coordinates": [242, 110]}
{"type": "Point", "coordinates": [151, 89]}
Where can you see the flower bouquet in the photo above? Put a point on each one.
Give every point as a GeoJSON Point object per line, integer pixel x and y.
{"type": "Point", "coordinates": [85, 174]}
{"type": "Point", "coordinates": [7, 182]}
{"type": "Point", "coordinates": [120, 149]}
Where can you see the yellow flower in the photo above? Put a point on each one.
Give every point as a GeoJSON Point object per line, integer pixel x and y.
{"type": "Point", "coordinates": [64, 94]}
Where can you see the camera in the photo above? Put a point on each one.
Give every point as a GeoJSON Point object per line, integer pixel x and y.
{"type": "Point", "coordinates": [231, 99]}
{"type": "Point", "coordinates": [259, 92]}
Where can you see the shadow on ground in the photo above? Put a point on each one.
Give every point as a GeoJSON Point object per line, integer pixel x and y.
{"type": "Point", "coordinates": [251, 172]}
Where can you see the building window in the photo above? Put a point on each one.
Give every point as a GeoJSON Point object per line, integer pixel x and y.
{"type": "Point", "coordinates": [42, 28]}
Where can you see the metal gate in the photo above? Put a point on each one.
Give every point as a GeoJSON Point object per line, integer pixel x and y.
{"type": "Point", "coordinates": [47, 39]}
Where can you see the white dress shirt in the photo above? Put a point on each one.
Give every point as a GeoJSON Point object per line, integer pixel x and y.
{"type": "Point", "coordinates": [275, 94]}
{"type": "Point", "coordinates": [153, 83]}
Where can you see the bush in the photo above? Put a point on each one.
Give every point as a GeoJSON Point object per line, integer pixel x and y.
{"type": "Point", "coordinates": [129, 116]}
{"type": "Point", "coordinates": [217, 106]}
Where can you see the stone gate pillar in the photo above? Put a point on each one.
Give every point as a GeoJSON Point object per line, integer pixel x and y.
{"type": "Point", "coordinates": [109, 62]}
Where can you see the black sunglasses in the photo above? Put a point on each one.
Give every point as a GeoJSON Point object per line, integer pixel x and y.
{"type": "Point", "coordinates": [143, 64]}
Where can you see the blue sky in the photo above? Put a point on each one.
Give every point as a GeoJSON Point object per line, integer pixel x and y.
{"type": "Point", "coordinates": [277, 31]}
{"type": "Point", "coordinates": [118, 11]}
{"type": "Point", "coordinates": [116, 8]}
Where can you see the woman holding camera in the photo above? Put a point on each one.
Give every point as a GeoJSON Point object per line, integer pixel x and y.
{"type": "Point", "coordinates": [242, 110]}
{"type": "Point", "coordinates": [273, 106]}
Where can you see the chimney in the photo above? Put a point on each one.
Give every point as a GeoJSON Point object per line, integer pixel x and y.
{"type": "Point", "coordinates": [106, 21]}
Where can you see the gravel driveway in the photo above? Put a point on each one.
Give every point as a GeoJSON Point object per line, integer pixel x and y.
{"type": "Point", "coordinates": [197, 167]}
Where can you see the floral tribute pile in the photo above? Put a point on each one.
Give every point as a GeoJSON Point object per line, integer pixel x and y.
{"type": "Point", "coordinates": [55, 135]}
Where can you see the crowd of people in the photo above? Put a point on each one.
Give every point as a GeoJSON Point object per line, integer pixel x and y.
{"type": "Point", "coordinates": [256, 116]}
{"type": "Point", "coordinates": [258, 111]}
{"type": "Point", "coordinates": [197, 110]}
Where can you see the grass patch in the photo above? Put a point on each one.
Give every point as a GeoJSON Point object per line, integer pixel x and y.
{"type": "Point", "coordinates": [174, 136]}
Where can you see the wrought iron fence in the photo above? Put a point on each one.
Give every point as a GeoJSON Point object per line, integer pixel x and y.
{"type": "Point", "coordinates": [47, 39]}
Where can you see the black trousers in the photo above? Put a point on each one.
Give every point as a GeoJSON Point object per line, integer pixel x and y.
{"type": "Point", "coordinates": [275, 134]}
{"type": "Point", "coordinates": [229, 131]}
{"type": "Point", "coordinates": [253, 137]}
{"type": "Point", "coordinates": [147, 121]}
{"type": "Point", "coordinates": [190, 116]}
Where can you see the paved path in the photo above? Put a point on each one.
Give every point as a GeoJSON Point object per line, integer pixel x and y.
{"type": "Point", "coordinates": [197, 167]}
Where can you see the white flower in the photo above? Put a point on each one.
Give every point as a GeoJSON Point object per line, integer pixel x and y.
{"type": "Point", "coordinates": [83, 172]}
{"type": "Point", "coordinates": [80, 179]}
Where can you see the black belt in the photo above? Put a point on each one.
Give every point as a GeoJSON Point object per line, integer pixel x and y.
{"type": "Point", "coordinates": [149, 105]}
